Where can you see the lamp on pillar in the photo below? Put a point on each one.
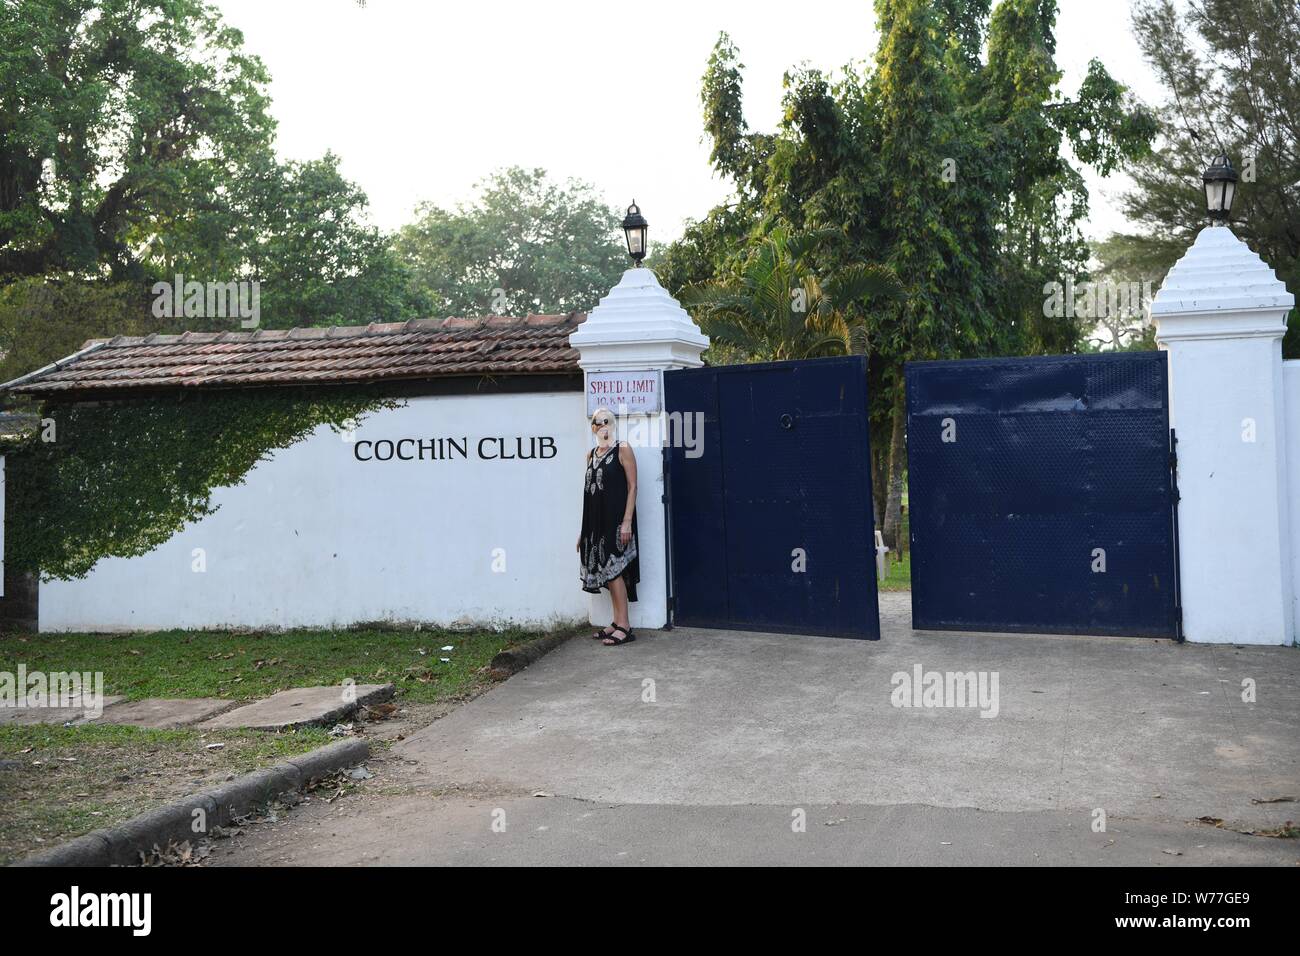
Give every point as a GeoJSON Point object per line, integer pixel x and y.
{"type": "Point", "coordinates": [1220, 315]}
{"type": "Point", "coordinates": [635, 228]}
{"type": "Point", "coordinates": [627, 343]}
{"type": "Point", "coordinates": [1220, 181]}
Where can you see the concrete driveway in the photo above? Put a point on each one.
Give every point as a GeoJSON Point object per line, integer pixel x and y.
{"type": "Point", "coordinates": [697, 738]}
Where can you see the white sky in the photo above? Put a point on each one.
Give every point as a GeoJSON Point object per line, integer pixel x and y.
{"type": "Point", "coordinates": [421, 100]}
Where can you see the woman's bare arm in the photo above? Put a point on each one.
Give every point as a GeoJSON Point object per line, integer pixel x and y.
{"type": "Point", "coordinates": [628, 460]}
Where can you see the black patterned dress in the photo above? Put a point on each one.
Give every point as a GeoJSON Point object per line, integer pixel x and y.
{"type": "Point", "coordinates": [604, 501]}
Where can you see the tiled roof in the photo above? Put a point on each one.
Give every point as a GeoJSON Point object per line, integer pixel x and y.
{"type": "Point", "coordinates": [420, 348]}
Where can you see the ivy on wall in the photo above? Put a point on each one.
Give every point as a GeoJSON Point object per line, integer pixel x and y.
{"type": "Point", "coordinates": [119, 478]}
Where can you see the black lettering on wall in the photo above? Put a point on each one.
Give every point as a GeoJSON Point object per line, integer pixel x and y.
{"type": "Point", "coordinates": [490, 448]}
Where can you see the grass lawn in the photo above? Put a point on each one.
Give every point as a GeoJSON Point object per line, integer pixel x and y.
{"type": "Point", "coordinates": [900, 575]}
{"type": "Point", "coordinates": [59, 782]}
{"type": "Point", "coordinates": [249, 665]}
{"type": "Point", "coordinates": [71, 780]}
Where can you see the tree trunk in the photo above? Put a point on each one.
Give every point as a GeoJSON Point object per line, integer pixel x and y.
{"type": "Point", "coordinates": [897, 456]}
{"type": "Point", "coordinates": [879, 481]}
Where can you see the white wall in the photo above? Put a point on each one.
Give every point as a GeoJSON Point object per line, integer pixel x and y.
{"type": "Point", "coordinates": [1221, 313]}
{"type": "Point", "coordinates": [1291, 400]}
{"type": "Point", "coordinates": [1234, 539]}
{"type": "Point", "coordinates": [315, 537]}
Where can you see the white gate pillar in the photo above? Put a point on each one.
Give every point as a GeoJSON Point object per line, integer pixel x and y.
{"type": "Point", "coordinates": [639, 327]}
{"type": "Point", "coordinates": [1221, 314]}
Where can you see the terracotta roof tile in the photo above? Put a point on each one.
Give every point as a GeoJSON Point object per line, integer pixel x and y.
{"type": "Point", "coordinates": [420, 348]}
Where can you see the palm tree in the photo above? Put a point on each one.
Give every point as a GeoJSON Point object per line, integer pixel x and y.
{"type": "Point", "coordinates": [778, 308]}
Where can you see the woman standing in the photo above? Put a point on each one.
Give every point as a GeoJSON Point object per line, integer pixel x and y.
{"type": "Point", "coordinates": [607, 549]}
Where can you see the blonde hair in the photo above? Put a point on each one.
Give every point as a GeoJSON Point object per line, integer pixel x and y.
{"type": "Point", "coordinates": [608, 413]}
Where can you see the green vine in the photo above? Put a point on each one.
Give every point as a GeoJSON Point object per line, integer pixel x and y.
{"type": "Point", "coordinates": [117, 479]}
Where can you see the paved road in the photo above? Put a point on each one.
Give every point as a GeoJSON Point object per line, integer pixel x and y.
{"type": "Point", "coordinates": [741, 729]}
{"type": "Point", "coordinates": [384, 830]}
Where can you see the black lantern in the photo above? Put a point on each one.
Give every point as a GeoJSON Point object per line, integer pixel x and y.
{"type": "Point", "coordinates": [1220, 187]}
{"type": "Point", "coordinates": [635, 228]}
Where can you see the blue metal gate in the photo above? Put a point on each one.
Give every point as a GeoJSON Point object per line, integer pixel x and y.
{"type": "Point", "coordinates": [770, 524]}
{"type": "Point", "coordinates": [1041, 495]}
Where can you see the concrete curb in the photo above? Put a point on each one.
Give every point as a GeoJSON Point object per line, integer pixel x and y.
{"type": "Point", "coordinates": [515, 659]}
{"type": "Point", "coordinates": [383, 693]}
{"type": "Point", "coordinates": [121, 845]}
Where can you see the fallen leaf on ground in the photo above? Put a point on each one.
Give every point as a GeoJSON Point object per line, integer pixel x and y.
{"type": "Point", "coordinates": [378, 711]}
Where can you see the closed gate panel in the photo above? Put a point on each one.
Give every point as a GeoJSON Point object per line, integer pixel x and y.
{"type": "Point", "coordinates": [1040, 495]}
{"type": "Point", "coordinates": [771, 526]}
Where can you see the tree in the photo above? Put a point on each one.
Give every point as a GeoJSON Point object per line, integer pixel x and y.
{"type": "Point", "coordinates": [135, 145]}
{"type": "Point", "coordinates": [707, 248]}
{"type": "Point", "coordinates": [526, 245]}
{"type": "Point", "coordinates": [1229, 67]}
{"type": "Point", "coordinates": [776, 308]}
{"type": "Point", "coordinates": [113, 114]}
{"type": "Point", "coordinates": [942, 159]}
{"type": "Point", "coordinates": [42, 320]}
{"type": "Point", "coordinates": [1126, 266]}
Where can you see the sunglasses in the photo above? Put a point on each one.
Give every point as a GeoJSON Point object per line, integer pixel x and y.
{"type": "Point", "coordinates": [600, 422]}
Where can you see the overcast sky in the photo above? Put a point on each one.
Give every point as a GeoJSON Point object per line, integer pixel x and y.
{"type": "Point", "coordinates": [421, 100]}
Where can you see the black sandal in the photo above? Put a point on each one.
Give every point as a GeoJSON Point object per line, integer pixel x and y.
{"type": "Point", "coordinates": [612, 641]}
{"type": "Point", "coordinates": [603, 633]}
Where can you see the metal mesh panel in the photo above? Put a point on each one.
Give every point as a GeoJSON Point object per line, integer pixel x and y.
{"type": "Point", "coordinates": [784, 470]}
{"type": "Point", "coordinates": [1050, 464]}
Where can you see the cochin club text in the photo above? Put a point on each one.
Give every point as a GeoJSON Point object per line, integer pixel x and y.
{"type": "Point", "coordinates": [518, 448]}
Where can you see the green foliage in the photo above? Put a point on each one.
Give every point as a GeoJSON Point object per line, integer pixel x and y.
{"type": "Point", "coordinates": [776, 308]}
{"type": "Point", "coordinates": [943, 163]}
{"type": "Point", "coordinates": [299, 229]}
{"type": "Point", "coordinates": [736, 151]}
{"type": "Point", "coordinates": [136, 144]}
{"type": "Point", "coordinates": [120, 478]}
{"type": "Point", "coordinates": [114, 114]}
{"type": "Point", "coordinates": [1125, 260]}
{"type": "Point", "coordinates": [526, 245]}
{"type": "Point", "coordinates": [42, 320]}
{"type": "Point", "coordinates": [942, 159]}
{"type": "Point", "coordinates": [1229, 70]}
{"type": "Point", "coordinates": [715, 245]}
{"type": "Point", "coordinates": [241, 666]}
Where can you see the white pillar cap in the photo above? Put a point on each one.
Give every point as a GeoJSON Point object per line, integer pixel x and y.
{"type": "Point", "coordinates": [638, 325]}
{"type": "Point", "coordinates": [1220, 289]}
